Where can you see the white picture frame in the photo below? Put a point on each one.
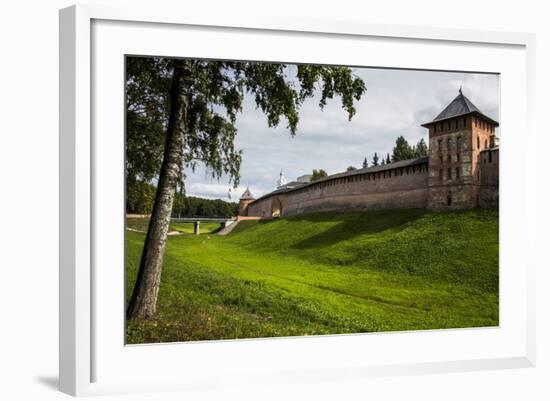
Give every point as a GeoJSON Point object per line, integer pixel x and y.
{"type": "Point", "coordinates": [93, 358]}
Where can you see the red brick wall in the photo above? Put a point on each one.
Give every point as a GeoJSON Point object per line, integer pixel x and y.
{"type": "Point", "coordinates": [489, 167]}
{"type": "Point", "coordinates": [382, 190]}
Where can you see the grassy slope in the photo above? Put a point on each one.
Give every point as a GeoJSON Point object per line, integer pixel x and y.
{"type": "Point", "coordinates": [327, 273]}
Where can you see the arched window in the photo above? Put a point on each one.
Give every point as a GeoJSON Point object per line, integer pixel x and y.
{"type": "Point", "coordinates": [478, 142]}
{"type": "Point", "coordinates": [449, 199]}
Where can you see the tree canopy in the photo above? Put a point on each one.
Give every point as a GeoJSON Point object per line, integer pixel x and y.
{"type": "Point", "coordinates": [402, 150]}
{"type": "Point", "coordinates": [215, 91]}
{"type": "Point", "coordinates": [421, 148]}
{"type": "Point", "coordinates": [318, 174]}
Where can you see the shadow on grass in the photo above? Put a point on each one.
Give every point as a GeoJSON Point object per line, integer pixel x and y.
{"type": "Point", "coordinates": [352, 224]}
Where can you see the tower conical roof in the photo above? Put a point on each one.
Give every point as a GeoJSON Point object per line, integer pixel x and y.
{"type": "Point", "coordinates": [460, 106]}
{"type": "Point", "coordinates": [247, 194]}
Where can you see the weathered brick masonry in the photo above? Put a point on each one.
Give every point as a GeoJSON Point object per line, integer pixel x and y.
{"type": "Point", "coordinates": [461, 171]}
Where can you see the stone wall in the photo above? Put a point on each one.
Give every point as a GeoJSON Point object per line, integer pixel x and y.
{"type": "Point", "coordinates": [489, 177]}
{"type": "Point", "coordinates": [405, 187]}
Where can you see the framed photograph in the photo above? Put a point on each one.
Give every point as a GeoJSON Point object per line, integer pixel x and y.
{"type": "Point", "coordinates": [285, 200]}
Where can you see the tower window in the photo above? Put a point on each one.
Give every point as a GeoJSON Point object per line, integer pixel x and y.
{"type": "Point", "coordinates": [478, 142]}
{"type": "Point", "coordinates": [458, 157]}
{"type": "Point", "coordinates": [449, 173]}
{"type": "Point", "coordinates": [440, 173]}
{"type": "Point", "coordinates": [449, 144]}
{"type": "Point", "coordinates": [449, 158]}
{"type": "Point", "coordinates": [457, 173]}
{"type": "Point", "coordinates": [449, 199]}
{"type": "Point", "coordinates": [490, 157]}
{"type": "Point", "coordinates": [439, 143]}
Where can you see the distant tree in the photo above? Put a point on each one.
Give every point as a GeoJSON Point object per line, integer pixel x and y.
{"type": "Point", "coordinates": [388, 160]}
{"type": "Point", "coordinates": [192, 206]}
{"type": "Point", "coordinates": [140, 197]}
{"type": "Point", "coordinates": [402, 150]}
{"type": "Point", "coordinates": [351, 168]}
{"type": "Point", "coordinates": [375, 159]}
{"type": "Point", "coordinates": [318, 174]}
{"type": "Point", "coordinates": [365, 163]}
{"type": "Point", "coordinates": [421, 149]}
{"type": "Point", "coordinates": [383, 161]}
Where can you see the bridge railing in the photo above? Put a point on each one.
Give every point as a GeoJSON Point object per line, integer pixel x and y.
{"type": "Point", "coordinates": [224, 221]}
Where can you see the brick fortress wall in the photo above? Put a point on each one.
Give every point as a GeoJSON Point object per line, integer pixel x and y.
{"type": "Point", "coordinates": [405, 187]}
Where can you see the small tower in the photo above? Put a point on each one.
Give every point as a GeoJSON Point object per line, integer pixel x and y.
{"type": "Point", "coordinates": [245, 200]}
{"type": "Point", "coordinates": [281, 181]}
{"type": "Point", "coordinates": [457, 136]}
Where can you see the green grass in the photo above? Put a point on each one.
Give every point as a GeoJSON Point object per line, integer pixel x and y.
{"type": "Point", "coordinates": [326, 273]}
{"type": "Point", "coordinates": [141, 224]}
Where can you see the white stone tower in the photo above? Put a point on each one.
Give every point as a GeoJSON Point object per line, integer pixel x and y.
{"type": "Point", "coordinates": [281, 181]}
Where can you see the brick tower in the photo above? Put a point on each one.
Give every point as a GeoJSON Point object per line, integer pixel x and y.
{"type": "Point", "coordinates": [457, 137]}
{"type": "Point", "coordinates": [245, 200]}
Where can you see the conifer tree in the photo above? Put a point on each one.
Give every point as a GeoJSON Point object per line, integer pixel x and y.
{"type": "Point", "coordinates": [421, 149]}
{"type": "Point", "coordinates": [375, 159]}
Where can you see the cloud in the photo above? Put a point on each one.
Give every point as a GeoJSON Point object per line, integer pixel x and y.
{"type": "Point", "coordinates": [396, 103]}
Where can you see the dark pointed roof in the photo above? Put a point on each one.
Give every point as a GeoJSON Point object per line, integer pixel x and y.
{"type": "Point", "coordinates": [460, 106]}
{"type": "Point", "coordinates": [247, 194]}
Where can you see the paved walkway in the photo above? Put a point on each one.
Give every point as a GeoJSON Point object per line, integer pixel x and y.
{"type": "Point", "coordinates": [228, 229]}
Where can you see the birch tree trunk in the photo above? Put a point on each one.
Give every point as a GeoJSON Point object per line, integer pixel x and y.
{"type": "Point", "coordinates": [143, 303]}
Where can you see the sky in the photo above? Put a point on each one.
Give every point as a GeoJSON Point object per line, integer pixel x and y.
{"type": "Point", "coordinates": [396, 103]}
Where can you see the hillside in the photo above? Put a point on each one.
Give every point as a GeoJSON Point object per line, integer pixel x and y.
{"type": "Point", "coordinates": [327, 273]}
